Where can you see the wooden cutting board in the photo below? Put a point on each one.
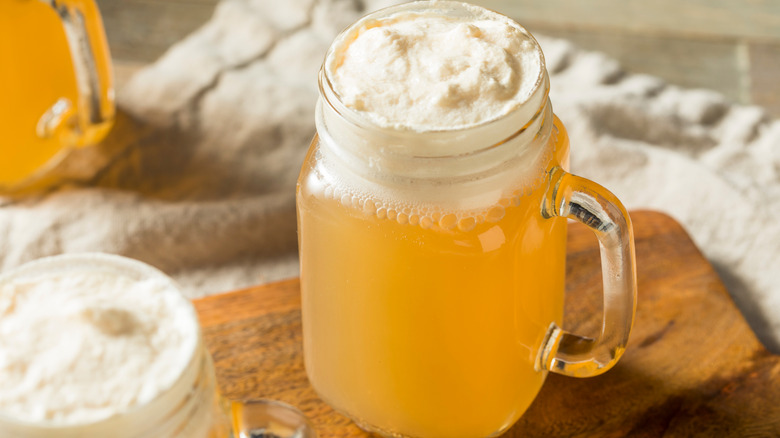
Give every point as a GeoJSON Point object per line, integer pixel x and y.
{"type": "Point", "coordinates": [693, 366]}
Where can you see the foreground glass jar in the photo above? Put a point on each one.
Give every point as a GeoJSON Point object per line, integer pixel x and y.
{"type": "Point", "coordinates": [56, 86]}
{"type": "Point", "coordinates": [190, 408]}
{"type": "Point", "coordinates": [433, 263]}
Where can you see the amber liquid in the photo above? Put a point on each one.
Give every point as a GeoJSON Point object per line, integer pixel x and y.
{"type": "Point", "coordinates": [36, 70]}
{"type": "Point", "coordinates": [425, 323]}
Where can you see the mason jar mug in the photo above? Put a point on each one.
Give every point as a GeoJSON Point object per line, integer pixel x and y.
{"type": "Point", "coordinates": [433, 263]}
{"type": "Point", "coordinates": [56, 85]}
{"type": "Point", "coordinates": [76, 386]}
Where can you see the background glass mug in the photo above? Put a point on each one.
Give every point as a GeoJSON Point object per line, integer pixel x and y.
{"type": "Point", "coordinates": [433, 265]}
{"type": "Point", "coordinates": [191, 408]}
{"type": "Point", "coordinates": [56, 85]}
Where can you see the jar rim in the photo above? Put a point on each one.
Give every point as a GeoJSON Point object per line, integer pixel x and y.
{"type": "Point", "coordinates": [522, 114]}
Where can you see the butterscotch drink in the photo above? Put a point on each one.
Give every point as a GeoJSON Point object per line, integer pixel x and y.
{"type": "Point", "coordinates": [432, 227]}
{"type": "Point", "coordinates": [55, 85]}
{"type": "Point", "coordinates": [96, 346]}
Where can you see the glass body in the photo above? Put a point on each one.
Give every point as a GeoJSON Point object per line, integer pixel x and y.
{"type": "Point", "coordinates": [429, 322]}
{"type": "Point", "coordinates": [433, 265]}
{"type": "Point", "coordinates": [55, 82]}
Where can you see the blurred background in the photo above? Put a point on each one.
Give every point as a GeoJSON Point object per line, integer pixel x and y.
{"type": "Point", "coordinates": [215, 112]}
{"type": "Point", "coordinates": [730, 46]}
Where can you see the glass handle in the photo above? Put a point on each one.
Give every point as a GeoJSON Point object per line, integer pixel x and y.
{"type": "Point", "coordinates": [95, 109]}
{"type": "Point", "coordinates": [577, 198]}
{"type": "Point", "coordinates": [268, 418]}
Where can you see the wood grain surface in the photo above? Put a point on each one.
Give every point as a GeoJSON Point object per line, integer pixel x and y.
{"type": "Point", "coordinates": [692, 368]}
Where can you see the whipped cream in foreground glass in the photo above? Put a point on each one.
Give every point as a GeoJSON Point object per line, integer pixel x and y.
{"type": "Point", "coordinates": [95, 345]}
{"type": "Point", "coordinates": [432, 215]}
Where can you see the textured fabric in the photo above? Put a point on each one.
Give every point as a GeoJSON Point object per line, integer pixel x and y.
{"type": "Point", "coordinates": [198, 176]}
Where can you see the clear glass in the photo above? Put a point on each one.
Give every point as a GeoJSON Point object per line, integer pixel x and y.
{"type": "Point", "coordinates": [56, 83]}
{"type": "Point", "coordinates": [433, 267]}
{"type": "Point", "coordinates": [191, 408]}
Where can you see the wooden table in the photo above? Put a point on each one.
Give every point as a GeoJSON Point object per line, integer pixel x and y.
{"type": "Point", "coordinates": [693, 367]}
